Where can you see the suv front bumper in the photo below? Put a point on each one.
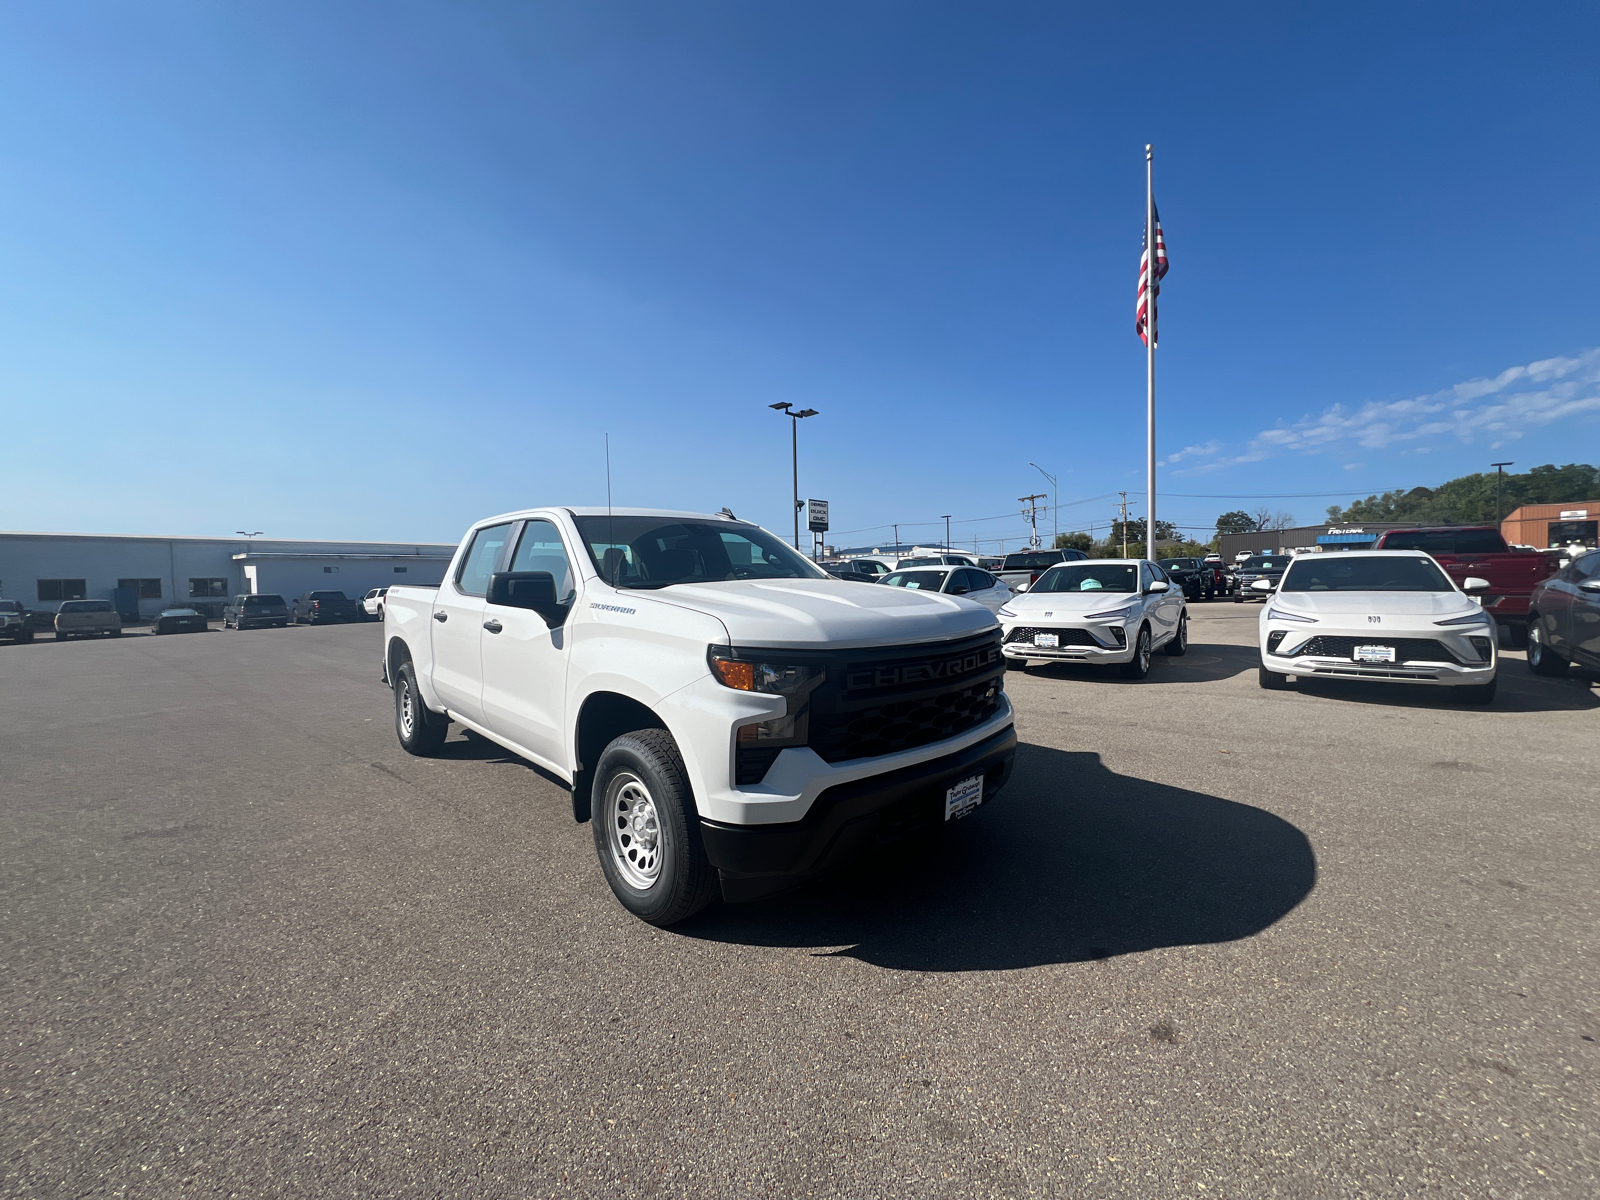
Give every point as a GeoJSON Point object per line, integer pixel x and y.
{"type": "Point", "coordinates": [848, 818]}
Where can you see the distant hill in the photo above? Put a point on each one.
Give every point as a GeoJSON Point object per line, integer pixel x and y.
{"type": "Point", "coordinates": [1470, 499]}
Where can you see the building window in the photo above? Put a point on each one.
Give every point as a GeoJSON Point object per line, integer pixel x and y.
{"type": "Point", "coordinates": [54, 590]}
{"type": "Point", "coordinates": [145, 589]}
{"type": "Point", "coordinates": [330, 570]}
{"type": "Point", "coordinates": [199, 588]}
{"type": "Point", "coordinates": [1563, 533]}
{"type": "Point", "coordinates": [400, 570]}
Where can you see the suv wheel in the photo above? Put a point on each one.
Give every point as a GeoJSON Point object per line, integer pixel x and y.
{"type": "Point", "coordinates": [1541, 659]}
{"type": "Point", "coordinates": [1179, 645]}
{"type": "Point", "coordinates": [1271, 680]}
{"type": "Point", "coordinates": [646, 829]}
{"type": "Point", "coordinates": [1139, 666]}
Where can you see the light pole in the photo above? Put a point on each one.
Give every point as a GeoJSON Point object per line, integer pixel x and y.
{"type": "Point", "coordinates": [1055, 504]}
{"type": "Point", "coordinates": [1499, 474]}
{"type": "Point", "coordinates": [945, 517]}
{"type": "Point", "coordinates": [790, 411]}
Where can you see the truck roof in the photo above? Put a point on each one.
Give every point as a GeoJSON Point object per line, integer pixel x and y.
{"type": "Point", "coordinates": [616, 512]}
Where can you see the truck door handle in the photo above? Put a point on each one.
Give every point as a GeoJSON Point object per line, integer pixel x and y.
{"type": "Point", "coordinates": [441, 616]}
{"type": "Point", "coordinates": [493, 626]}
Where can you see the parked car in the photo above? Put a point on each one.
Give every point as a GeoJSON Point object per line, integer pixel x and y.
{"type": "Point", "coordinates": [934, 560]}
{"type": "Point", "coordinates": [1391, 616]}
{"type": "Point", "coordinates": [840, 571]}
{"type": "Point", "coordinates": [87, 618]}
{"type": "Point", "coordinates": [179, 620]}
{"type": "Point", "coordinates": [14, 622]}
{"type": "Point", "coordinates": [953, 581]}
{"type": "Point", "coordinates": [1025, 566]}
{"type": "Point", "coordinates": [323, 608]}
{"type": "Point", "coordinates": [1188, 574]}
{"type": "Point", "coordinates": [1564, 618]}
{"type": "Point", "coordinates": [1218, 577]}
{"type": "Point", "coordinates": [372, 604]}
{"type": "Point", "coordinates": [724, 713]}
{"type": "Point", "coordinates": [874, 567]}
{"type": "Point", "coordinates": [1253, 570]}
{"type": "Point", "coordinates": [264, 608]}
{"type": "Point", "coordinates": [1479, 551]}
{"type": "Point", "coordinates": [1117, 610]}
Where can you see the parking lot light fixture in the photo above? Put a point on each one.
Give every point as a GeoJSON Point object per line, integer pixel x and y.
{"type": "Point", "coordinates": [795, 416]}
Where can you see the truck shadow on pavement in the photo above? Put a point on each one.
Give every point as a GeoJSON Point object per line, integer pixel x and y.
{"type": "Point", "coordinates": [1073, 862]}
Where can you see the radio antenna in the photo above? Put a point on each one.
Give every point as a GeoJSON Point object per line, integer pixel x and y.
{"type": "Point", "coordinates": [611, 525]}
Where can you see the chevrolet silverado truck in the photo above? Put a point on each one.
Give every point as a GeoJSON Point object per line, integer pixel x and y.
{"type": "Point", "coordinates": [323, 608]}
{"type": "Point", "coordinates": [14, 621]}
{"type": "Point", "coordinates": [1480, 551]}
{"type": "Point", "coordinates": [726, 715]}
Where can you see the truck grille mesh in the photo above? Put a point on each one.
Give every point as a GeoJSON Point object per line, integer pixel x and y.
{"type": "Point", "coordinates": [904, 724]}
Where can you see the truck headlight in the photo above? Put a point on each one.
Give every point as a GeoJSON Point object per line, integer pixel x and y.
{"type": "Point", "coordinates": [758, 743]}
{"type": "Point", "coordinates": [777, 679]}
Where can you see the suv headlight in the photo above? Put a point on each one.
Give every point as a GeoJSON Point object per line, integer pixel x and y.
{"type": "Point", "coordinates": [1477, 618]}
{"type": "Point", "coordinates": [1110, 612]}
{"type": "Point", "coordinates": [1278, 614]}
{"type": "Point", "coordinates": [1006, 610]}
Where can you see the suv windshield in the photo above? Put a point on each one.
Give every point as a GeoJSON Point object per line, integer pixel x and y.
{"type": "Point", "coordinates": [927, 581]}
{"type": "Point", "coordinates": [1264, 562]}
{"type": "Point", "coordinates": [1032, 560]}
{"type": "Point", "coordinates": [1084, 577]}
{"type": "Point", "coordinates": [655, 552]}
{"type": "Point", "coordinates": [11, 606]}
{"type": "Point", "coordinates": [1453, 541]}
{"type": "Point", "coordinates": [1365, 573]}
{"type": "Point", "coordinates": [1180, 564]}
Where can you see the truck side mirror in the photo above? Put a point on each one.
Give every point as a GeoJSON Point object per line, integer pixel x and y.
{"type": "Point", "coordinates": [534, 590]}
{"type": "Point", "coordinates": [1472, 585]}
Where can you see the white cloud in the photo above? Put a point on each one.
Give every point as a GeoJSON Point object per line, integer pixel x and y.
{"type": "Point", "coordinates": [1497, 410]}
{"type": "Point", "coordinates": [1204, 450]}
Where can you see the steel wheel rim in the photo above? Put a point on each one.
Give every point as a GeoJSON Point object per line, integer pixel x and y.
{"type": "Point", "coordinates": [633, 831]}
{"type": "Point", "coordinates": [408, 711]}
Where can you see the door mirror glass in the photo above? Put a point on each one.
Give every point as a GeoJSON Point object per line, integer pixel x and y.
{"type": "Point", "coordinates": [1590, 585]}
{"type": "Point", "coordinates": [1019, 588]}
{"type": "Point", "coordinates": [1158, 585]}
{"type": "Point", "coordinates": [1472, 585]}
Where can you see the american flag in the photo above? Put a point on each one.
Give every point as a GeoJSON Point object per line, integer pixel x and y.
{"type": "Point", "coordinates": [1139, 320]}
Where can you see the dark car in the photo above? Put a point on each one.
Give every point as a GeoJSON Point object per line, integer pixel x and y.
{"type": "Point", "coordinates": [14, 621]}
{"type": "Point", "coordinates": [865, 566]}
{"type": "Point", "coordinates": [179, 620]}
{"type": "Point", "coordinates": [1217, 576]}
{"type": "Point", "coordinates": [1188, 573]}
{"type": "Point", "coordinates": [324, 608]}
{"type": "Point", "coordinates": [1257, 567]}
{"type": "Point", "coordinates": [243, 612]}
{"type": "Point", "coordinates": [844, 571]}
{"type": "Point", "coordinates": [1564, 618]}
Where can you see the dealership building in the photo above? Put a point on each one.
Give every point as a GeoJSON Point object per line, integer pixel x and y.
{"type": "Point", "coordinates": [1357, 535]}
{"type": "Point", "coordinates": [43, 569]}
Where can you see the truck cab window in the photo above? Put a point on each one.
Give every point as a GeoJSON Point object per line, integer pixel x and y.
{"type": "Point", "coordinates": [540, 549]}
{"type": "Point", "coordinates": [481, 559]}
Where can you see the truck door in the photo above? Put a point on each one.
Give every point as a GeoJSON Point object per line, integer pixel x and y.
{"type": "Point", "coordinates": [525, 660]}
{"type": "Point", "coordinates": [458, 624]}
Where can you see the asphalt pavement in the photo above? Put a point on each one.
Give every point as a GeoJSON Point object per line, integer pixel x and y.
{"type": "Point", "coordinates": [1211, 941]}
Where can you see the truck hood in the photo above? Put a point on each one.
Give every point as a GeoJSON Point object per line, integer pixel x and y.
{"type": "Point", "coordinates": [1398, 604]}
{"type": "Point", "coordinates": [815, 613]}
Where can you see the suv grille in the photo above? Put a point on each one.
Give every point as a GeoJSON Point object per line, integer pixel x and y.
{"type": "Point", "coordinates": [1069, 637]}
{"type": "Point", "coordinates": [1405, 649]}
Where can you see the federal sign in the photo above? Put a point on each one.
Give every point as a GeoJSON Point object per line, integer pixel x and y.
{"type": "Point", "coordinates": [817, 516]}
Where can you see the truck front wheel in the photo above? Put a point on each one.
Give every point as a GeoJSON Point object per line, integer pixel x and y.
{"type": "Point", "coordinates": [420, 732]}
{"type": "Point", "coordinates": [646, 830]}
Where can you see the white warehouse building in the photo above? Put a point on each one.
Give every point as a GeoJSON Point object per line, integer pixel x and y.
{"type": "Point", "coordinates": [43, 569]}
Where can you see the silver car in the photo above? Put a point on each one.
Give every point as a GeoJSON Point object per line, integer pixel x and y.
{"type": "Point", "coordinates": [971, 582]}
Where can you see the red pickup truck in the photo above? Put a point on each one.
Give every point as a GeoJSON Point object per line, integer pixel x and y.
{"type": "Point", "coordinates": [1479, 550]}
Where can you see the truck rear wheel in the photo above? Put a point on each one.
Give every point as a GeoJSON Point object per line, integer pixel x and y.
{"type": "Point", "coordinates": [646, 830]}
{"type": "Point", "coordinates": [420, 731]}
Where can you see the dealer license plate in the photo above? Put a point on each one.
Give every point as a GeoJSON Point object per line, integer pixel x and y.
{"type": "Point", "coordinates": [1047, 641]}
{"type": "Point", "coordinates": [963, 798]}
{"type": "Point", "coordinates": [1375, 654]}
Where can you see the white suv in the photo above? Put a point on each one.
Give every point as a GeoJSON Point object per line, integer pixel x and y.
{"type": "Point", "coordinates": [1112, 610]}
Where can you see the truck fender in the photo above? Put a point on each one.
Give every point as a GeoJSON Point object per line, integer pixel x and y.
{"type": "Point", "coordinates": [603, 717]}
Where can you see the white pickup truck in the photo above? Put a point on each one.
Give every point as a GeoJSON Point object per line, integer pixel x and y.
{"type": "Point", "coordinates": [730, 714]}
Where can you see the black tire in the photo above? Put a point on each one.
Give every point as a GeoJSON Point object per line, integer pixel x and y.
{"type": "Point", "coordinates": [420, 732]}
{"type": "Point", "coordinates": [1016, 664]}
{"type": "Point", "coordinates": [1139, 666]}
{"type": "Point", "coordinates": [1237, 598]}
{"type": "Point", "coordinates": [61, 637]}
{"type": "Point", "coordinates": [116, 633]}
{"type": "Point", "coordinates": [1271, 680]}
{"type": "Point", "coordinates": [1541, 659]}
{"type": "Point", "coordinates": [1478, 693]}
{"type": "Point", "coordinates": [1517, 636]}
{"type": "Point", "coordinates": [1178, 645]}
{"type": "Point", "coordinates": [681, 880]}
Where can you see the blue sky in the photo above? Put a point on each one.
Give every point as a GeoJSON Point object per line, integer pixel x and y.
{"type": "Point", "coordinates": [377, 270]}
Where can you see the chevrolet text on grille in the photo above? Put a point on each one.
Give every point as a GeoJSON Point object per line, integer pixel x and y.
{"type": "Point", "coordinates": [948, 668]}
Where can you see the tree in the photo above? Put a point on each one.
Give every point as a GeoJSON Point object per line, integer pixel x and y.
{"type": "Point", "coordinates": [1268, 520]}
{"type": "Point", "coordinates": [1469, 499]}
{"type": "Point", "coordinates": [1237, 521]}
{"type": "Point", "coordinates": [1074, 541]}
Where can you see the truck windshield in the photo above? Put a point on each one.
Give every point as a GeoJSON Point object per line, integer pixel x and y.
{"type": "Point", "coordinates": [1365, 573]}
{"type": "Point", "coordinates": [10, 606]}
{"type": "Point", "coordinates": [1083, 577]}
{"type": "Point", "coordinates": [1451, 541]}
{"type": "Point", "coordinates": [1180, 564]}
{"type": "Point", "coordinates": [656, 552]}
{"type": "Point", "coordinates": [329, 596]}
{"type": "Point", "coordinates": [1261, 562]}
{"type": "Point", "coordinates": [262, 601]}
{"type": "Point", "coordinates": [1031, 561]}
{"type": "Point", "coordinates": [86, 606]}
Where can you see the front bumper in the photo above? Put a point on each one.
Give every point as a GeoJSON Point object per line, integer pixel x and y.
{"type": "Point", "coordinates": [1421, 668]}
{"type": "Point", "coordinates": [849, 818]}
{"type": "Point", "coordinates": [1103, 651]}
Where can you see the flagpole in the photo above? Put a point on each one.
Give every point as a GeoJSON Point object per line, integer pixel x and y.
{"type": "Point", "coordinates": [1150, 353]}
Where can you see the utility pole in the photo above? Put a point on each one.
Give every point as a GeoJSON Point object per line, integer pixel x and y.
{"type": "Point", "coordinates": [1124, 496]}
{"type": "Point", "coordinates": [789, 410]}
{"type": "Point", "coordinates": [896, 539]}
{"type": "Point", "coordinates": [1499, 474]}
{"type": "Point", "coordinates": [1032, 513]}
{"type": "Point", "coordinates": [1055, 504]}
{"type": "Point", "coordinates": [946, 518]}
